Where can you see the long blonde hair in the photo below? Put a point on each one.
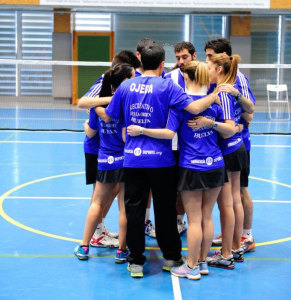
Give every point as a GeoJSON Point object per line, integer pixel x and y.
{"type": "Point", "coordinates": [229, 65]}
{"type": "Point", "coordinates": [197, 71]}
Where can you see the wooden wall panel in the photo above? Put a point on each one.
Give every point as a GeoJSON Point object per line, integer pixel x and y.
{"type": "Point", "coordinates": [280, 4]}
{"type": "Point", "coordinates": [241, 26]}
{"type": "Point", "coordinates": [62, 22]}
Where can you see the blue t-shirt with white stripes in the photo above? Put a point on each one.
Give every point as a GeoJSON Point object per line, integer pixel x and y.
{"type": "Point", "coordinates": [146, 101]}
{"type": "Point", "coordinates": [91, 145]}
{"type": "Point", "coordinates": [243, 86]}
{"type": "Point", "coordinates": [199, 150]}
{"type": "Point", "coordinates": [231, 111]}
{"type": "Point", "coordinates": [177, 76]}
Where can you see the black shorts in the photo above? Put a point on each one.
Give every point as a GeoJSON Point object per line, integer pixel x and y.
{"type": "Point", "coordinates": [237, 160]}
{"type": "Point", "coordinates": [91, 167]}
{"type": "Point", "coordinates": [191, 180]}
{"type": "Point", "coordinates": [110, 176]}
{"type": "Point", "coordinates": [245, 172]}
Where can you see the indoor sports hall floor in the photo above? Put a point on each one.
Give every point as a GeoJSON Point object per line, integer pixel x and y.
{"type": "Point", "coordinates": [43, 205]}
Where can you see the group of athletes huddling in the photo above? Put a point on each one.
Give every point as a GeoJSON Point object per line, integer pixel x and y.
{"type": "Point", "coordinates": [179, 138]}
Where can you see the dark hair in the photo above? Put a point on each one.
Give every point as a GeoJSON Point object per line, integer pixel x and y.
{"type": "Point", "coordinates": [113, 78]}
{"type": "Point", "coordinates": [152, 56]}
{"type": "Point", "coordinates": [219, 45]}
{"type": "Point", "coordinates": [185, 45]}
{"type": "Point", "coordinates": [143, 43]}
{"type": "Point", "coordinates": [126, 57]}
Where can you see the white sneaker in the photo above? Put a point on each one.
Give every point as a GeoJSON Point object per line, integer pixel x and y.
{"type": "Point", "coordinates": [182, 228]}
{"type": "Point", "coordinates": [104, 241]}
{"type": "Point", "coordinates": [111, 234]}
{"type": "Point", "coordinates": [149, 229]}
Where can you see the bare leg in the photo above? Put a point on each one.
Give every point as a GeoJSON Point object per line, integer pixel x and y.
{"type": "Point", "coordinates": [208, 201]}
{"type": "Point", "coordinates": [115, 191]}
{"type": "Point", "coordinates": [102, 193]}
{"type": "Point", "coordinates": [122, 219]}
{"type": "Point", "coordinates": [248, 208]}
{"type": "Point", "coordinates": [227, 219]}
{"type": "Point", "coordinates": [238, 210]}
{"type": "Point", "coordinates": [192, 201]}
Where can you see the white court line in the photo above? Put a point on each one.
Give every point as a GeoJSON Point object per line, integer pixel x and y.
{"type": "Point", "coordinates": [86, 198]}
{"type": "Point", "coordinates": [60, 142]}
{"type": "Point", "coordinates": [39, 142]}
{"type": "Point", "coordinates": [176, 288]}
{"type": "Point", "coordinates": [271, 146]}
{"type": "Point", "coordinates": [42, 119]}
{"type": "Point", "coordinates": [44, 131]}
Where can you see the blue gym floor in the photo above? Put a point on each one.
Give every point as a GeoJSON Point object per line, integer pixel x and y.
{"type": "Point", "coordinates": [43, 205]}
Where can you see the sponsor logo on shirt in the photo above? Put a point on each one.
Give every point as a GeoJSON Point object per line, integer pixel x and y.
{"type": "Point", "coordinates": [137, 151]}
{"type": "Point", "coordinates": [209, 160]}
{"type": "Point", "coordinates": [110, 159]}
{"type": "Point", "coordinates": [234, 143]}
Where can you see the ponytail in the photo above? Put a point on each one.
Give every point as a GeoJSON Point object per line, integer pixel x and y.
{"type": "Point", "coordinates": [106, 89]}
{"type": "Point", "coordinates": [229, 65]}
{"type": "Point", "coordinates": [197, 71]}
{"type": "Point", "coordinates": [113, 78]}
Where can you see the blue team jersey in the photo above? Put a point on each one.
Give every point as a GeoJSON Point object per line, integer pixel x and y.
{"type": "Point", "coordinates": [110, 155]}
{"type": "Point", "coordinates": [243, 86]}
{"type": "Point", "coordinates": [146, 101]}
{"type": "Point", "coordinates": [177, 76]}
{"type": "Point", "coordinates": [199, 150]}
{"type": "Point", "coordinates": [231, 111]}
{"type": "Point", "coordinates": [91, 145]}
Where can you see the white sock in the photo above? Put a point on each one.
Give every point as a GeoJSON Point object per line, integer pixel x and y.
{"type": "Point", "coordinates": [180, 218]}
{"type": "Point", "coordinates": [99, 229]}
{"type": "Point", "coordinates": [147, 215]}
{"type": "Point", "coordinates": [247, 233]}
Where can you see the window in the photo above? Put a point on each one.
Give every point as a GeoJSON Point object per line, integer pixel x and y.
{"type": "Point", "coordinates": [7, 50]}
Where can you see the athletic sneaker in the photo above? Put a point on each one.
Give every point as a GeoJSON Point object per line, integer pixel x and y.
{"type": "Point", "coordinates": [82, 252]}
{"type": "Point", "coordinates": [121, 256]}
{"type": "Point", "coordinates": [238, 255]}
{"type": "Point", "coordinates": [111, 234]}
{"type": "Point", "coordinates": [203, 268]}
{"type": "Point", "coordinates": [169, 263]}
{"type": "Point", "coordinates": [217, 260]}
{"type": "Point", "coordinates": [217, 241]}
{"type": "Point", "coordinates": [185, 271]}
{"type": "Point", "coordinates": [136, 271]}
{"type": "Point", "coordinates": [149, 229]}
{"type": "Point", "coordinates": [248, 245]}
{"type": "Point", "coordinates": [104, 241]}
{"type": "Point", "coordinates": [182, 228]}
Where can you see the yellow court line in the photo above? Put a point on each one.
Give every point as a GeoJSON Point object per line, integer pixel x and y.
{"type": "Point", "coordinates": [12, 221]}
{"type": "Point", "coordinates": [112, 256]}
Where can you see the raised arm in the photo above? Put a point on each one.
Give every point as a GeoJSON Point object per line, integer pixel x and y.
{"type": "Point", "coordinates": [88, 130]}
{"type": "Point", "coordinates": [247, 105]}
{"type": "Point", "coordinates": [202, 104]}
{"type": "Point", "coordinates": [89, 102]}
{"type": "Point", "coordinates": [100, 111]}
{"type": "Point", "coordinates": [163, 133]}
{"type": "Point", "coordinates": [226, 128]}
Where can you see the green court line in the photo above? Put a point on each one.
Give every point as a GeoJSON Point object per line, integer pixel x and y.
{"type": "Point", "coordinates": [112, 256]}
